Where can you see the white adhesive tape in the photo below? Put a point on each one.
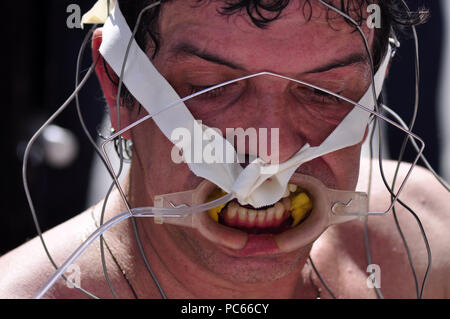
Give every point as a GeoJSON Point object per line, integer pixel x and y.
{"type": "Point", "coordinates": [99, 12]}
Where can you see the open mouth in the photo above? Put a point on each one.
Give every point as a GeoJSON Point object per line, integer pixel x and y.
{"type": "Point", "coordinates": [287, 213]}
{"type": "Point", "coordinates": [295, 221]}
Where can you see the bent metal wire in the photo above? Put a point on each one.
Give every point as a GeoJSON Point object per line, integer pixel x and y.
{"type": "Point", "coordinates": [181, 211]}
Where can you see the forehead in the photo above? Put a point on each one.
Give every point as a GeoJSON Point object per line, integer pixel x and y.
{"type": "Point", "coordinates": [307, 32]}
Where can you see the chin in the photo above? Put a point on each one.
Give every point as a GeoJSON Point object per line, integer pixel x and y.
{"type": "Point", "coordinates": [242, 243]}
{"type": "Point", "coordinates": [231, 265]}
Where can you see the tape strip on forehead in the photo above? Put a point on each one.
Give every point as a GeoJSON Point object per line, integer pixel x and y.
{"type": "Point", "coordinates": [155, 94]}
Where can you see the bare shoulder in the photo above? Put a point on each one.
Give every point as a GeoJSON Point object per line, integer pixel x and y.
{"type": "Point", "coordinates": [422, 192]}
{"type": "Point", "coordinates": [421, 188]}
{"type": "Point", "coordinates": [27, 268]}
{"type": "Point", "coordinates": [428, 210]}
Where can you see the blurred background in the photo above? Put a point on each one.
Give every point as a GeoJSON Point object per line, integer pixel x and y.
{"type": "Point", "coordinates": [39, 57]}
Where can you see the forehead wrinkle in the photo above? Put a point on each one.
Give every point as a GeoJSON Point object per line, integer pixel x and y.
{"type": "Point", "coordinates": [186, 51]}
{"type": "Point", "coordinates": [246, 47]}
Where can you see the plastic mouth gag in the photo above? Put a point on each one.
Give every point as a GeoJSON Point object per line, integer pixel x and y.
{"type": "Point", "coordinates": [330, 207]}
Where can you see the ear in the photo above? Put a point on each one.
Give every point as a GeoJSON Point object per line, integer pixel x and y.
{"type": "Point", "coordinates": [109, 88]}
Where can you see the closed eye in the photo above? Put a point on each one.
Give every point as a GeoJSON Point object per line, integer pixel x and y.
{"type": "Point", "coordinates": [328, 97]}
{"type": "Point", "coordinates": [313, 95]}
{"type": "Point", "coordinates": [210, 94]}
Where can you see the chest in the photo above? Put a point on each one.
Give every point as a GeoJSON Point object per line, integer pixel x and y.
{"type": "Point", "coordinates": [353, 271]}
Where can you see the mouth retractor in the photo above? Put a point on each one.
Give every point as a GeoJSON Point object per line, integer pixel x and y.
{"type": "Point", "coordinates": [314, 208]}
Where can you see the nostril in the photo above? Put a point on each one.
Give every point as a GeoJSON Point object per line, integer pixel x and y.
{"type": "Point", "coordinates": [244, 160]}
{"type": "Point", "coordinates": [244, 165]}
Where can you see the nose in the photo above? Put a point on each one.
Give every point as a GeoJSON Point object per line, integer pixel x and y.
{"type": "Point", "coordinates": [272, 103]}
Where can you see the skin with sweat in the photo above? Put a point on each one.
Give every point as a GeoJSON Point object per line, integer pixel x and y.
{"type": "Point", "coordinates": [288, 39]}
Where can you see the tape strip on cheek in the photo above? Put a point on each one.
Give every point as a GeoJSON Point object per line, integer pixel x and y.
{"type": "Point", "coordinates": [259, 191]}
{"type": "Point", "coordinates": [154, 93]}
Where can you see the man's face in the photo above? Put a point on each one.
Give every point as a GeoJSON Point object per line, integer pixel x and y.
{"type": "Point", "coordinates": [201, 48]}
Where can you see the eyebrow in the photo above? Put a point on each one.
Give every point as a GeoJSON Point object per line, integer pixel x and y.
{"type": "Point", "coordinates": [186, 50]}
{"type": "Point", "coordinates": [354, 58]}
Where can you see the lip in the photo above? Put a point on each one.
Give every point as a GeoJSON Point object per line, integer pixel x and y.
{"type": "Point", "coordinates": [239, 243]}
{"type": "Point", "coordinates": [256, 245]}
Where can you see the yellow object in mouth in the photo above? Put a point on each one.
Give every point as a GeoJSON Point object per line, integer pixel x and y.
{"type": "Point", "coordinates": [214, 212]}
{"type": "Point", "coordinates": [301, 205]}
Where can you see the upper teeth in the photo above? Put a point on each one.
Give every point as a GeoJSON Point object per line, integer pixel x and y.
{"type": "Point", "coordinates": [271, 217]}
{"type": "Point", "coordinates": [291, 188]}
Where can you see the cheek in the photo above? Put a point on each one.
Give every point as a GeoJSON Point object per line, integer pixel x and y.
{"type": "Point", "coordinates": [152, 159]}
{"type": "Point", "coordinates": [345, 166]}
{"type": "Point", "coordinates": [147, 138]}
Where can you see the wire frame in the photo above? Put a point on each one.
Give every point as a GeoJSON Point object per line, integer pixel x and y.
{"type": "Point", "coordinates": [180, 211]}
{"type": "Point", "coordinates": [192, 96]}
